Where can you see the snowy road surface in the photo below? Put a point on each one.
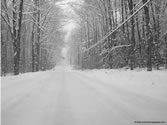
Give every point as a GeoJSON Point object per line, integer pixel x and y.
{"type": "Point", "coordinates": [79, 98]}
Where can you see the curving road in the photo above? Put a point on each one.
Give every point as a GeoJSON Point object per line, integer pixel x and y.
{"type": "Point", "coordinates": [73, 98]}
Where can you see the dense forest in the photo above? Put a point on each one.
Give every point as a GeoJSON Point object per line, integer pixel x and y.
{"type": "Point", "coordinates": [31, 38]}
{"type": "Point", "coordinates": [111, 34]}
{"type": "Point", "coordinates": [121, 33]}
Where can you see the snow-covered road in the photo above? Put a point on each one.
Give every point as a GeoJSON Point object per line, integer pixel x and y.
{"type": "Point", "coordinates": [75, 98]}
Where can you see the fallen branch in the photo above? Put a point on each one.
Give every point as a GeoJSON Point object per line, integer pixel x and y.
{"type": "Point", "coordinates": [116, 47]}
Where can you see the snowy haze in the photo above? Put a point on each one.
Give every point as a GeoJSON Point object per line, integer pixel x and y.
{"type": "Point", "coordinates": [70, 25]}
{"type": "Point", "coordinates": [68, 29]}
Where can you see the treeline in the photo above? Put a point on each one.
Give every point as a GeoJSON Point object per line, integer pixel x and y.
{"type": "Point", "coordinates": [30, 35]}
{"type": "Point", "coordinates": [121, 33]}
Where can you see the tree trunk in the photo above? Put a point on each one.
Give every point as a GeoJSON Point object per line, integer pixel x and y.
{"type": "Point", "coordinates": [140, 41]}
{"type": "Point", "coordinates": [33, 47]}
{"type": "Point", "coordinates": [4, 43]}
{"type": "Point", "coordinates": [132, 36]}
{"type": "Point", "coordinates": [17, 35]}
{"type": "Point", "coordinates": [148, 37]}
{"type": "Point", "coordinates": [122, 14]}
{"type": "Point", "coordinates": [38, 38]}
{"type": "Point", "coordinates": [166, 51]}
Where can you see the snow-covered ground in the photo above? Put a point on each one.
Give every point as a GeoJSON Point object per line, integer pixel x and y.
{"type": "Point", "coordinates": [153, 84]}
{"type": "Point", "coordinates": [94, 97]}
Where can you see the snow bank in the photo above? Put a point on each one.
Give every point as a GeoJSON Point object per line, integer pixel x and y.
{"type": "Point", "coordinates": [153, 84]}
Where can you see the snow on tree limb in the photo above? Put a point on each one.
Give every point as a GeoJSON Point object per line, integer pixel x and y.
{"type": "Point", "coordinates": [113, 31]}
